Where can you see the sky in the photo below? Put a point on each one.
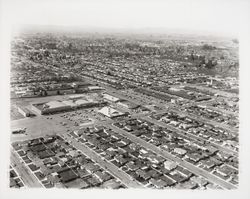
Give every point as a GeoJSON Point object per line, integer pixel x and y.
{"type": "Point", "coordinates": [221, 16]}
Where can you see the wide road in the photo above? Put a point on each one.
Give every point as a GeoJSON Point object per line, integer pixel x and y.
{"type": "Point", "coordinates": [172, 108]}
{"type": "Point", "coordinates": [192, 168]}
{"type": "Point", "coordinates": [198, 118]}
{"type": "Point", "coordinates": [202, 119]}
{"type": "Point", "coordinates": [114, 170]}
{"type": "Point", "coordinates": [220, 110]}
{"type": "Point", "coordinates": [190, 135]}
{"type": "Point", "coordinates": [28, 178]}
{"type": "Point", "coordinates": [213, 90]}
{"type": "Point", "coordinates": [224, 126]}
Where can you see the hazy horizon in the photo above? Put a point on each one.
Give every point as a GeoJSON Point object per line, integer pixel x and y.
{"type": "Point", "coordinates": [222, 18]}
{"type": "Point", "coordinates": [116, 31]}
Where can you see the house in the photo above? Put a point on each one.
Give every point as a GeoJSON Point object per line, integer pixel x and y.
{"type": "Point", "coordinates": [224, 170]}
{"type": "Point", "coordinates": [132, 166]}
{"type": "Point", "coordinates": [223, 156]}
{"type": "Point", "coordinates": [154, 159]}
{"type": "Point", "coordinates": [111, 184]}
{"type": "Point", "coordinates": [120, 159]}
{"type": "Point", "coordinates": [93, 181]}
{"type": "Point", "coordinates": [153, 173]}
{"type": "Point", "coordinates": [167, 180]}
{"type": "Point", "coordinates": [208, 164]}
{"type": "Point", "coordinates": [170, 165]}
{"type": "Point", "coordinates": [128, 128]}
{"type": "Point", "coordinates": [195, 157]}
{"type": "Point", "coordinates": [189, 185]}
{"type": "Point", "coordinates": [159, 184]}
{"type": "Point", "coordinates": [67, 175]}
{"type": "Point", "coordinates": [180, 151]}
{"type": "Point", "coordinates": [200, 181]}
{"type": "Point", "coordinates": [142, 174]}
{"type": "Point", "coordinates": [91, 168]}
{"type": "Point", "coordinates": [184, 172]}
{"type": "Point", "coordinates": [101, 176]}
{"type": "Point", "coordinates": [175, 123]}
{"type": "Point", "coordinates": [176, 177]}
{"type": "Point", "coordinates": [143, 151]}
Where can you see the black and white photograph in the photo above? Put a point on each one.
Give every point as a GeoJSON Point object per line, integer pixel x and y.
{"type": "Point", "coordinates": [124, 95]}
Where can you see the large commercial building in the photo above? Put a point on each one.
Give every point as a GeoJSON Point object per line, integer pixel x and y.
{"type": "Point", "coordinates": [110, 112]}
{"type": "Point", "coordinates": [58, 106]}
{"type": "Point", "coordinates": [50, 107]}
{"type": "Point", "coordinates": [95, 88]}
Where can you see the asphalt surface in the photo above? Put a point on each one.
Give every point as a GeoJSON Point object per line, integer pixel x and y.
{"type": "Point", "coordinates": [220, 110]}
{"type": "Point", "coordinates": [40, 126]}
{"type": "Point", "coordinates": [213, 90]}
{"type": "Point", "coordinates": [27, 176]}
{"type": "Point", "coordinates": [201, 119]}
{"type": "Point", "coordinates": [172, 108]}
{"type": "Point", "coordinates": [189, 135]}
{"type": "Point", "coordinates": [114, 170]}
{"type": "Point", "coordinates": [167, 155]}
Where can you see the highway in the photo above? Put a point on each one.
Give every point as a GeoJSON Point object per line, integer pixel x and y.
{"type": "Point", "coordinates": [27, 176]}
{"type": "Point", "coordinates": [114, 170]}
{"type": "Point", "coordinates": [192, 168]}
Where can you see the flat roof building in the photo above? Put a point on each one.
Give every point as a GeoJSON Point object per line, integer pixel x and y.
{"type": "Point", "coordinates": [50, 107]}
{"type": "Point", "coordinates": [70, 103]}
{"type": "Point", "coordinates": [127, 104]}
{"type": "Point", "coordinates": [110, 97]}
{"type": "Point", "coordinates": [24, 111]}
{"type": "Point", "coordinates": [110, 112]}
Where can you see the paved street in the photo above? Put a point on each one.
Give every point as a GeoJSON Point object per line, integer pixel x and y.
{"type": "Point", "coordinates": [109, 108]}
{"type": "Point", "coordinates": [27, 176]}
{"type": "Point", "coordinates": [201, 119]}
{"type": "Point", "coordinates": [172, 108]}
{"type": "Point", "coordinates": [167, 155]}
{"type": "Point", "coordinates": [189, 135]}
{"type": "Point", "coordinates": [115, 171]}
{"type": "Point", "coordinates": [223, 93]}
